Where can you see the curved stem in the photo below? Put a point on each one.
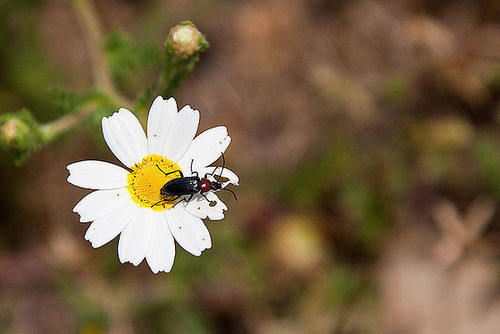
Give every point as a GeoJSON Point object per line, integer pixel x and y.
{"type": "Point", "coordinates": [93, 35]}
{"type": "Point", "coordinates": [53, 129]}
{"type": "Point", "coordinates": [103, 80]}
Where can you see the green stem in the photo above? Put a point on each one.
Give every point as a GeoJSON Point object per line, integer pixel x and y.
{"type": "Point", "coordinates": [52, 129]}
{"type": "Point", "coordinates": [175, 71]}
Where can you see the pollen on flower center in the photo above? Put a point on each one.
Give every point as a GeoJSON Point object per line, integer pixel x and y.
{"type": "Point", "coordinates": [148, 177]}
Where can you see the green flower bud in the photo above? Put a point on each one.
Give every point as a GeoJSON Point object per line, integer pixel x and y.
{"type": "Point", "coordinates": [20, 133]}
{"type": "Point", "coordinates": [185, 40]}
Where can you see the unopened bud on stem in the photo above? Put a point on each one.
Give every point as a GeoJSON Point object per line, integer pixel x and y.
{"type": "Point", "coordinates": [185, 40]}
{"type": "Point", "coordinates": [11, 129]}
{"type": "Point", "coordinates": [20, 133]}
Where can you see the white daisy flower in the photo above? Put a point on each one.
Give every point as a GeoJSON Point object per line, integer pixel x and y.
{"type": "Point", "coordinates": [128, 201]}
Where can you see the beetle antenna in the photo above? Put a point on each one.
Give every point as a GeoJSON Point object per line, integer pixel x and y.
{"type": "Point", "coordinates": [223, 164]}
{"type": "Point", "coordinates": [222, 169]}
{"type": "Point", "coordinates": [232, 192]}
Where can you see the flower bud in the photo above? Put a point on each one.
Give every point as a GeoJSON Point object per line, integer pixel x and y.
{"type": "Point", "coordinates": [20, 133]}
{"type": "Point", "coordinates": [185, 40]}
{"type": "Point", "coordinates": [10, 130]}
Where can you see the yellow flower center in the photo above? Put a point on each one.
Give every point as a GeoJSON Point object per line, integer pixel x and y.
{"type": "Point", "coordinates": [148, 177]}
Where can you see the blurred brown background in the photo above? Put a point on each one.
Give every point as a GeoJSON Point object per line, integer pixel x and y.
{"type": "Point", "coordinates": [366, 135]}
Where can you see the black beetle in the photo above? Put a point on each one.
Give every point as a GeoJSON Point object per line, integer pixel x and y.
{"type": "Point", "coordinates": [191, 185]}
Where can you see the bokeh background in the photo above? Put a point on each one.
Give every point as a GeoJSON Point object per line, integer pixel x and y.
{"type": "Point", "coordinates": [367, 138]}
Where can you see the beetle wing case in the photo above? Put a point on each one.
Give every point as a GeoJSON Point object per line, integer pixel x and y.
{"type": "Point", "coordinates": [181, 186]}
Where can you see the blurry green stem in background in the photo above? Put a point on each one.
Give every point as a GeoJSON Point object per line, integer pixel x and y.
{"type": "Point", "coordinates": [53, 129]}
{"type": "Point", "coordinates": [94, 41]}
{"type": "Point", "coordinates": [22, 134]}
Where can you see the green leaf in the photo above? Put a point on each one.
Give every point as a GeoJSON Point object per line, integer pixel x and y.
{"type": "Point", "coordinates": [68, 101]}
{"type": "Point", "coordinates": [125, 55]}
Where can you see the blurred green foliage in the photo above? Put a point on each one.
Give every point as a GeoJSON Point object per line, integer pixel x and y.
{"type": "Point", "coordinates": [488, 159]}
{"type": "Point", "coordinates": [302, 248]}
{"type": "Point", "coordinates": [130, 62]}
{"type": "Point", "coordinates": [25, 70]}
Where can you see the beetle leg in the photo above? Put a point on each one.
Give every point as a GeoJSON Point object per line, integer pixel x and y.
{"type": "Point", "coordinates": [175, 171]}
{"type": "Point", "coordinates": [165, 200]}
{"type": "Point", "coordinates": [193, 172]}
{"type": "Point", "coordinates": [184, 199]}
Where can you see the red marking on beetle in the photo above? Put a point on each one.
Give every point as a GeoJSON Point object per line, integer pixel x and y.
{"type": "Point", "coordinates": [180, 227]}
{"type": "Point", "coordinates": [203, 239]}
{"type": "Point", "coordinates": [154, 136]}
{"type": "Point", "coordinates": [205, 185]}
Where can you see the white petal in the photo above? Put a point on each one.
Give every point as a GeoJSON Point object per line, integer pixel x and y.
{"type": "Point", "coordinates": [226, 173]}
{"type": "Point", "coordinates": [206, 148]}
{"type": "Point", "coordinates": [134, 130]}
{"type": "Point", "coordinates": [199, 206]}
{"type": "Point", "coordinates": [93, 174]}
{"type": "Point", "coordinates": [161, 252]}
{"type": "Point", "coordinates": [188, 230]}
{"type": "Point", "coordinates": [105, 229]}
{"type": "Point", "coordinates": [136, 237]}
{"type": "Point", "coordinates": [125, 137]}
{"type": "Point", "coordinates": [100, 203]}
{"type": "Point", "coordinates": [181, 133]}
{"type": "Point", "coordinates": [116, 147]}
{"type": "Point", "coordinates": [160, 119]}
